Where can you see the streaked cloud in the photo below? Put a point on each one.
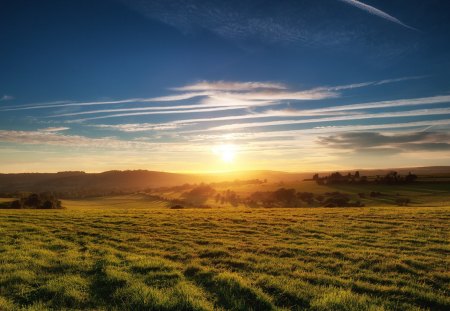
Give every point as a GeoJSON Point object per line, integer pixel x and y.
{"type": "Point", "coordinates": [141, 127]}
{"type": "Point", "coordinates": [244, 94]}
{"type": "Point", "coordinates": [46, 137]}
{"type": "Point", "coordinates": [411, 113]}
{"type": "Point", "coordinates": [212, 94]}
{"type": "Point", "coordinates": [55, 129]}
{"type": "Point", "coordinates": [389, 103]}
{"type": "Point", "coordinates": [293, 133]}
{"type": "Point", "coordinates": [230, 86]}
{"type": "Point", "coordinates": [374, 11]}
{"type": "Point", "coordinates": [411, 141]}
{"type": "Point", "coordinates": [158, 112]}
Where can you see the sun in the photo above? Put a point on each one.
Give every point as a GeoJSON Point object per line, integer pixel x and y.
{"type": "Point", "coordinates": [226, 152]}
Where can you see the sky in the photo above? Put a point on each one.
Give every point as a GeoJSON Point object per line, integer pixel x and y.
{"type": "Point", "coordinates": [210, 86]}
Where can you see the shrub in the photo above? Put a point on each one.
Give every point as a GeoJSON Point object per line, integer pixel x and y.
{"type": "Point", "coordinates": [37, 201]}
{"type": "Point", "coordinates": [402, 201]}
{"type": "Point", "coordinates": [177, 206]}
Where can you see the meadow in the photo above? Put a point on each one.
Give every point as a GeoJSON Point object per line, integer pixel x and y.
{"type": "Point", "coordinates": [135, 253]}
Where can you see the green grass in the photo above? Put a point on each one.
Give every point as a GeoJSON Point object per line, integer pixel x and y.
{"type": "Point", "coordinates": [129, 253]}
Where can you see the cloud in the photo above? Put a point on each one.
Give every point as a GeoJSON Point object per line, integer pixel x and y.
{"type": "Point", "coordinates": [412, 141]}
{"type": "Point", "coordinates": [214, 94]}
{"type": "Point", "coordinates": [140, 127]}
{"type": "Point", "coordinates": [158, 113]}
{"type": "Point", "coordinates": [247, 94]}
{"type": "Point", "coordinates": [333, 110]}
{"type": "Point", "coordinates": [226, 101]}
{"type": "Point", "coordinates": [55, 138]}
{"type": "Point", "coordinates": [66, 103]}
{"type": "Point", "coordinates": [6, 97]}
{"type": "Point", "coordinates": [55, 129]}
{"type": "Point", "coordinates": [388, 103]}
{"type": "Point", "coordinates": [230, 86]}
{"type": "Point", "coordinates": [230, 91]}
{"type": "Point", "coordinates": [374, 11]}
{"type": "Point", "coordinates": [373, 83]}
{"type": "Point", "coordinates": [238, 95]}
{"type": "Point", "coordinates": [265, 135]}
{"type": "Point", "coordinates": [411, 113]}
{"type": "Point", "coordinates": [310, 23]}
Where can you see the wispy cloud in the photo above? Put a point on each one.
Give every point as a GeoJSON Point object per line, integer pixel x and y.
{"type": "Point", "coordinates": [65, 103]}
{"type": "Point", "coordinates": [388, 103]}
{"type": "Point", "coordinates": [242, 94]}
{"type": "Point", "coordinates": [373, 83]}
{"type": "Point", "coordinates": [374, 11]}
{"type": "Point", "coordinates": [158, 113]}
{"type": "Point", "coordinates": [6, 97]}
{"type": "Point", "coordinates": [264, 135]}
{"type": "Point", "coordinates": [283, 113]}
{"type": "Point", "coordinates": [227, 101]}
{"type": "Point", "coordinates": [232, 92]}
{"type": "Point", "coordinates": [281, 23]}
{"type": "Point", "coordinates": [55, 129]}
{"type": "Point", "coordinates": [141, 127]}
{"type": "Point", "coordinates": [355, 141]}
{"type": "Point", "coordinates": [45, 137]}
{"type": "Point", "coordinates": [212, 94]}
{"type": "Point", "coordinates": [411, 113]}
{"type": "Point", "coordinates": [230, 86]}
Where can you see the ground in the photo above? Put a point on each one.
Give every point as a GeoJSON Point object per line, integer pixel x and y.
{"type": "Point", "coordinates": [129, 253]}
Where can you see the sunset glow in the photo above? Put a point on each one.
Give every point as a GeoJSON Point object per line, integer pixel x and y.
{"type": "Point", "coordinates": [187, 90]}
{"type": "Point", "coordinates": [226, 152]}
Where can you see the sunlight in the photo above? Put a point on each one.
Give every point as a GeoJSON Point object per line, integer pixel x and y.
{"type": "Point", "coordinates": [226, 152]}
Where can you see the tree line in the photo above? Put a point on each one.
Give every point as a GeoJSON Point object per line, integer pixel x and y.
{"type": "Point", "coordinates": [44, 200]}
{"type": "Point", "coordinates": [392, 177]}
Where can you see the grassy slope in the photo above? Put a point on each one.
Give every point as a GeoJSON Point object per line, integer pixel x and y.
{"type": "Point", "coordinates": [140, 256]}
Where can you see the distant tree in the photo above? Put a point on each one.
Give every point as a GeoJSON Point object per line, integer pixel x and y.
{"type": "Point", "coordinates": [410, 177]}
{"type": "Point", "coordinates": [37, 201]}
{"type": "Point", "coordinates": [403, 201]}
{"type": "Point", "coordinates": [338, 200]}
{"type": "Point", "coordinates": [199, 194]}
{"type": "Point", "coordinates": [285, 196]}
{"type": "Point", "coordinates": [307, 197]}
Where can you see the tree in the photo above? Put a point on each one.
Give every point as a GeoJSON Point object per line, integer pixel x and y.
{"type": "Point", "coordinates": [410, 177]}
{"type": "Point", "coordinates": [37, 201]}
{"type": "Point", "coordinates": [286, 196]}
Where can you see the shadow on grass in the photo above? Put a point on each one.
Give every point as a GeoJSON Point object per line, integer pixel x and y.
{"type": "Point", "coordinates": [231, 291]}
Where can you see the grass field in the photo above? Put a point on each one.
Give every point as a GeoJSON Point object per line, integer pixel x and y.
{"type": "Point", "coordinates": [129, 253]}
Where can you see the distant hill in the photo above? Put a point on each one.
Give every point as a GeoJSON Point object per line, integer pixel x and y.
{"type": "Point", "coordinates": [142, 179]}
{"type": "Point", "coordinates": [110, 180]}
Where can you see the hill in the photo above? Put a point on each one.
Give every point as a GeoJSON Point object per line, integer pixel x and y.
{"type": "Point", "coordinates": [142, 179]}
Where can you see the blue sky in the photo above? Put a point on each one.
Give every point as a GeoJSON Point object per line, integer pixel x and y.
{"type": "Point", "coordinates": [175, 85]}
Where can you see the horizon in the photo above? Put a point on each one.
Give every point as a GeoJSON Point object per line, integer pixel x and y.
{"type": "Point", "coordinates": [205, 87]}
{"type": "Point", "coordinates": [322, 171]}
